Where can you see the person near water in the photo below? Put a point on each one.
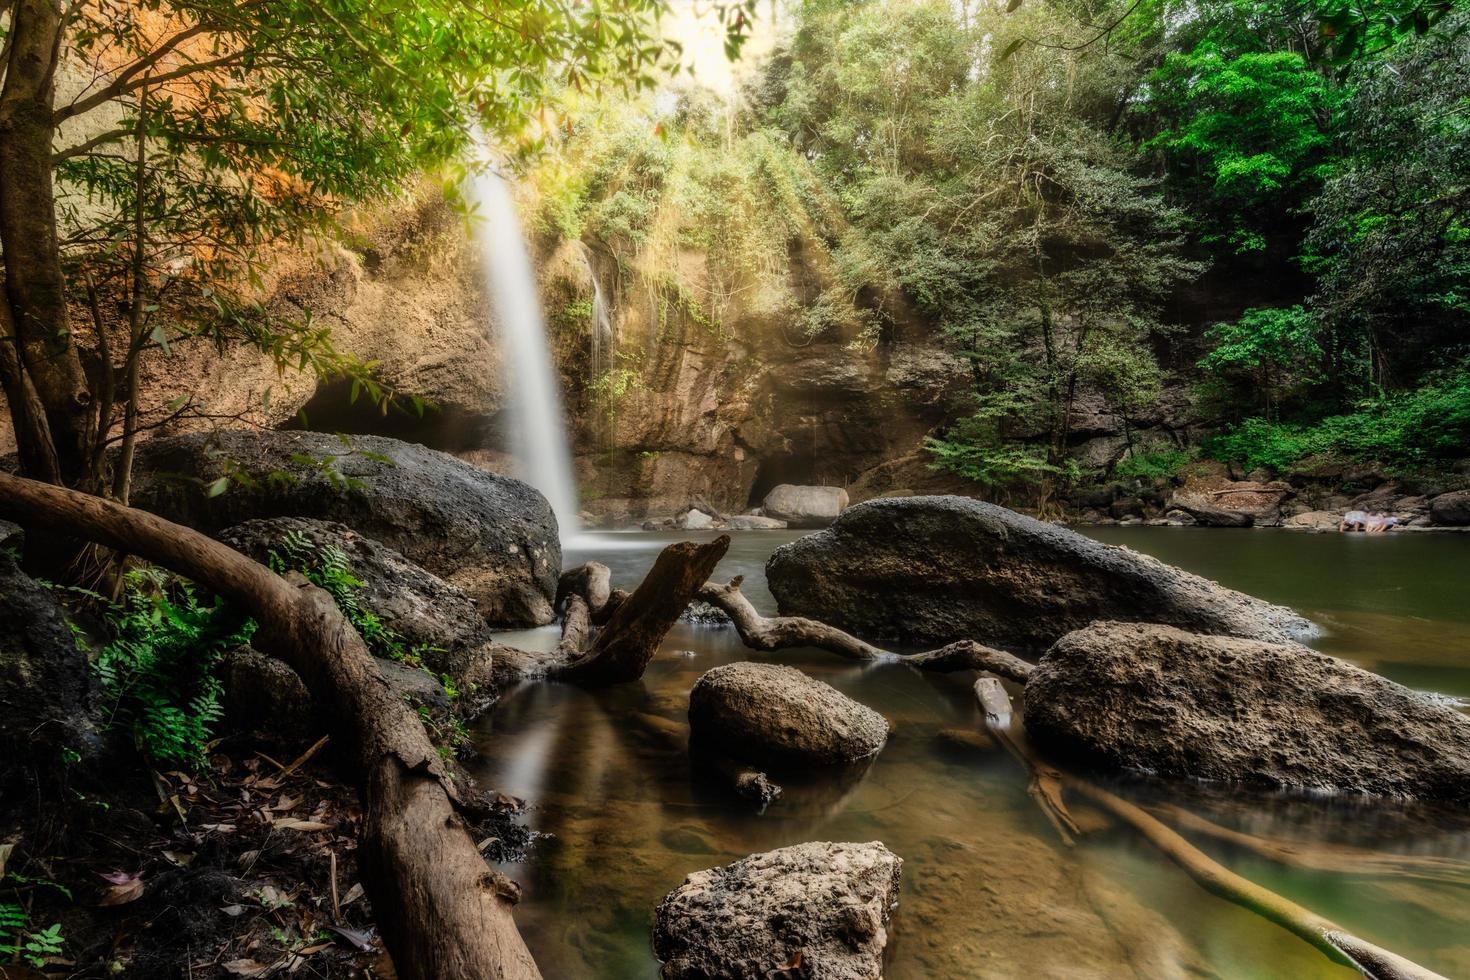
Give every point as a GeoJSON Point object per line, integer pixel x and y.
{"type": "Point", "coordinates": [1379, 522]}
{"type": "Point", "coordinates": [1369, 522]}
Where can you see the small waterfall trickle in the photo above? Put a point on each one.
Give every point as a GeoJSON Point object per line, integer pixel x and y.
{"type": "Point", "coordinates": [537, 427]}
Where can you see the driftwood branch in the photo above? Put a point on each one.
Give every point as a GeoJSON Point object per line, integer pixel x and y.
{"type": "Point", "coordinates": [1333, 940]}
{"type": "Point", "coordinates": [783, 632]}
{"type": "Point", "coordinates": [1336, 942]}
{"type": "Point", "coordinates": [780, 632]}
{"type": "Point", "coordinates": [444, 914]}
{"type": "Point", "coordinates": [623, 648]}
{"type": "Point", "coordinates": [1316, 856]}
{"type": "Point", "coordinates": [1046, 780]}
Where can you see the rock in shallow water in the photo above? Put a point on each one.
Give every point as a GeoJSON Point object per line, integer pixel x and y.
{"type": "Point", "coordinates": [492, 536]}
{"type": "Point", "coordinates": [804, 506]}
{"type": "Point", "coordinates": [816, 910]}
{"type": "Point", "coordinates": [931, 570]}
{"type": "Point", "coordinates": [776, 715]}
{"type": "Point", "coordinates": [1271, 715]}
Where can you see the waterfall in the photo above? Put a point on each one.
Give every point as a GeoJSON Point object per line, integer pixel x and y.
{"type": "Point", "coordinates": [537, 428]}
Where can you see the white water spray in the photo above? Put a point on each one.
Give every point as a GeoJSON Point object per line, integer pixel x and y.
{"type": "Point", "coordinates": [538, 437]}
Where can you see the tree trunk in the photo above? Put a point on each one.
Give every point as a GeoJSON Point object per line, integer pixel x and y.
{"type": "Point", "coordinates": [35, 288]}
{"type": "Point", "coordinates": [624, 647]}
{"type": "Point", "coordinates": [444, 914]}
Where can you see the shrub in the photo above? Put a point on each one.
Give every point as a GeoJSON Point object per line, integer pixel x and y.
{"type": "Point", "coordinates": [1419, 428]}
{"type": "Point", "coordinates": [1161, 465]}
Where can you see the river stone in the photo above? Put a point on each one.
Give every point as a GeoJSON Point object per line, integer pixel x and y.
{"type": "Point", "coordinates": [1321, 520]}
{"type": "Point", "coordinates": [1269, 715]}
{"type": "Point", "coordinates": [428, 613]}
{"type": "Point", "coordinates": [932, 570]}
{"type": "Point", "coordinates": [817, 910]}
{"type": "Point", "coordinates": [773, 714]}
{"type": "Point", "coordinates": [804, 506]}
{"type": "Point", "coordinates": [754, 522]}
{"type": "Point", "coordinates": [1451, 508]}
{"type": "Point", "coordinates": [47, 691]}
{"type": "Point", "coordinates": [1208, 513]}
{"type": "Point", "coordinates": [492, 536]}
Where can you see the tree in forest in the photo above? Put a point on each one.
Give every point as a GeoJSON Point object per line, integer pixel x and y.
{"type": "Point", "coordinates": [153, 154]}
{"type": "Point", "coordinates": [1390, 241]}
{"type": "Point", "coordinates": [990, 190]}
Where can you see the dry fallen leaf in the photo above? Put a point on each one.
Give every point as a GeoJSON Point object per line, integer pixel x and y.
{"type": "Point", "coordinates": [353, 894]}
{"type": "Point", "coordinates": [182, 858]}
{"type": "Point", "coordinates": [246, 968]}
{"type": "Point", "coordinates": [5, 850]}
{"type": "Point", "coordinates": [306, 826]}
{"type": "Point", "coordinates": [358, 938]}
{"type": "Point", "coordinates": [122, 887]}
{"type": "Point", "coordinates": [233, 910]}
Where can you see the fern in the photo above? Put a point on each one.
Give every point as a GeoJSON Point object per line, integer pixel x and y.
{"type": "Point", "coordinates": [17, 937]}
{"type": "Point", "coordinates": [329, 568]}
{"type": "Point", "coordinates": [158, 672]}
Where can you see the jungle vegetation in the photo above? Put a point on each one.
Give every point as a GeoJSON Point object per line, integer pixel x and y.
{"type": "Point", "coordinates": [1055, 186]}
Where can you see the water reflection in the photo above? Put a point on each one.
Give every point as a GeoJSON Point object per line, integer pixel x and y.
{"type": "Point", "coordinates": [988, 890]}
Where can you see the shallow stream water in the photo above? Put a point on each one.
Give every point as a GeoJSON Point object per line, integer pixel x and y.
{"type": "Point", "coordinates": [988, 889]}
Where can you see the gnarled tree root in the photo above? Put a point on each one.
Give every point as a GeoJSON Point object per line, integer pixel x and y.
{"type": "Point", "coordinates": [782, 632]}
{"type": "Point", "coordinates": [624, 646]}
{"type": "Point", "coordinates": [1336, 942]}
{"type": "Point", "coordinates": [443, 913]}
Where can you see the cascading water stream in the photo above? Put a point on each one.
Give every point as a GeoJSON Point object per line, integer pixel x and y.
{"type": "Point", "coordinates": [537, 428]}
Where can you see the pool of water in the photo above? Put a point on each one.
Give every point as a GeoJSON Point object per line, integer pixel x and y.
{"type": "Point", "coordinates": [988, 888]}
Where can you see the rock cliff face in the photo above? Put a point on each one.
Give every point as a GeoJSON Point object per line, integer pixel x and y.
{"type": "Point", "coordinates": [672, 396]}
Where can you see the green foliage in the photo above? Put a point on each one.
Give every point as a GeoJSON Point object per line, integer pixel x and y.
{"type": "Point", "coordinates": [973, 449]}
{"type": "Point", "coordinates": [157, 672]}
{"type": "Point", "coordinates": [1162, 464]}
{"type": "Point", "coordinates": [1423, 428]}
{"type": "Point", "coordinates": [1268, 353]}
{"type": "Point", "coordinates": [1390, 241]}
{"type": "Point", "coordinates": [328, 567]}
{"type": "Point", "coordinates": [19, 937]}
{"type": "Point", "coordinates": [1244, 133]}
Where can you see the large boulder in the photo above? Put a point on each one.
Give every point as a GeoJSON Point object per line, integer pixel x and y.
{"type": "Point", "coordinates": [930, 570]}
{"type": "Point", "coordinates": [47, 693]}
{"type": "Point", "coordinates": [1270, 715]}
{"type": "Point", "coordinates": [492, 536]}
{"type": "Point", "coordinates": [816, 910]}
{"type": "Point", "coordinates": [436, 620]}
{"type": "Point", "coordinates": [773, 714]}
{"type": "Point", "coordinates": [804, 506]}
{"type": "Point", "coordinates": [1451, 508]}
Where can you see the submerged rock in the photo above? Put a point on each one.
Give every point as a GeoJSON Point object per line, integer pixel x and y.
{"type": "Point", "coordinates": [1270, 715]}
{"type": "Point", "coordinates": [931, 570]}
{"type": "Point", "coordinates": [817, 910]}
{"type": "Point", "coordinates": [492, 536]}
{"type": "Point", "coordinates": [47, 691]}
{"type": "Point", "coordinates": [769, 713]}
{"type": "Point", "coordinates": [804, 506]}
{"type": "Point", "coordinates": [754, 522]}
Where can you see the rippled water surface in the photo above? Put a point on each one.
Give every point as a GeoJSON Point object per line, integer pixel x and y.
{"type": "Point", "coordinates": [988, 889]}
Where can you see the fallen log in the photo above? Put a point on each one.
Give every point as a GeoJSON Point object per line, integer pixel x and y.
{"type": "Point", "coordinates": [622, 649]}
{"type": "Point", "coordinates": [1317, 856]}
{"type": "Point", "coordinates": [783, 632]}
{"type": "Point", "coordinates": [1327, 936]}
{"type": "Point", "coordinates": [443, 913]}
{"type": "Point", "coordinates": [1046, 781]}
